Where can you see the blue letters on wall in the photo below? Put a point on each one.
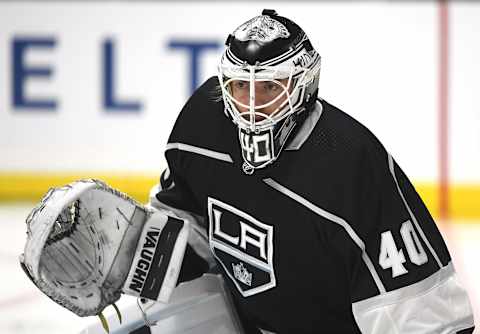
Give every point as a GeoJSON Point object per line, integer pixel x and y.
{"type": "Point", "coordinates": [22, 72]}
{"type": "Point", "coordinates": [110, 101]}
{"type": "Point", "coordinates": [194, 48]}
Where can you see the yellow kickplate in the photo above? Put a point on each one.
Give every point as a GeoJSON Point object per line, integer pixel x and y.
{"type": "Point", "coordinates": [463, 199]}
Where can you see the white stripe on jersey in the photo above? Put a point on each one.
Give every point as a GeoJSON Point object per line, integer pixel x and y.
{"type": "Point", "coordinates": [199, 150]}
{"type": "Point", "coordinates": [335, 219]}
{"type": "Point", "coordinates": [437, 304]}
{"type": "Point", "coordinates": [424, 237]}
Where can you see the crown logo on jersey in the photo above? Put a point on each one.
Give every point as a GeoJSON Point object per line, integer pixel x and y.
{"type": "Point", "coordinates": [261, 28]}
{"type": "Point", "coordinates": [241, 273]}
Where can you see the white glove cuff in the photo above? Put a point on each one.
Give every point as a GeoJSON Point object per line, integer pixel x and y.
{"type": "Point", "coordinates": [158, 258]}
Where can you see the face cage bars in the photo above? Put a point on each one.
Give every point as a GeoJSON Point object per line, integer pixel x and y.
{"type": "Point", "coordinates": [268, 119]}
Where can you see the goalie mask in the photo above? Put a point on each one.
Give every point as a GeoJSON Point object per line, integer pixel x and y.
{"type": "Point", "coordinates": [269, 79]}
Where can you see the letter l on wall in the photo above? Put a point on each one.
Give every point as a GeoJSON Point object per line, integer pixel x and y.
{"type": "Point", "coordinates": [111, 102]}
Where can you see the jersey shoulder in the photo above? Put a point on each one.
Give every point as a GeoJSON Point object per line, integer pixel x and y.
{"type": "Point", "coordinates": [340, 136]}
{"type": "Point", "coordinates": [348, 128]}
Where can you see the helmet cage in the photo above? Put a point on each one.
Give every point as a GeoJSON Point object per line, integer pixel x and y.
{"type": "Point", "coordinates": [254, 119]}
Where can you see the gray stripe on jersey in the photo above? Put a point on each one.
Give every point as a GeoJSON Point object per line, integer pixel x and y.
{"type": "Point", "coordinates": [424, 237]}
{"type": "Point", "coordinates": [306, 128]}
{"type": "Point", "coordinates": [335, 219]}
{"type": "Point", "coordinates": [199, 150]}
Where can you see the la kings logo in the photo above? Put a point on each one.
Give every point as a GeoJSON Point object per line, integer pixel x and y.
{"type": "Point", "coordinates": [243, 246]}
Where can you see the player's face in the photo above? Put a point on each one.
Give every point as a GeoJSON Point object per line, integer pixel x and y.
{"type": "Point", "coordinates": [265, 92]}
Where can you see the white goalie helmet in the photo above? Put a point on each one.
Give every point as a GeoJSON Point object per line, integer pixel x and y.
{"type": "Point", "coordinates": [269, 77]}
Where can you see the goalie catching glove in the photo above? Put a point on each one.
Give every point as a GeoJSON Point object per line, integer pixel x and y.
{"type": "Point", "coordinates": [87, 243]}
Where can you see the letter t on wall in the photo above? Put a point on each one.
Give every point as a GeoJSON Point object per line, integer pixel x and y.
{"type": "Point", "coordinates": [194, 49]}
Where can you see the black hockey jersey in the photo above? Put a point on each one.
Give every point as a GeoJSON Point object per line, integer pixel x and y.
{"type": "Point", "coordinates": [331, 238]}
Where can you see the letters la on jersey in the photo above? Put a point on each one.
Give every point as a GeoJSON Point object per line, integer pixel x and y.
{"type": "Point", "coordinates": [243, 246]}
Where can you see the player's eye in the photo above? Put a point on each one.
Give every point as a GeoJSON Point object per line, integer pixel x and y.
{"type": "Point", "coordinates": [270, 87]}
{"type": "Point", "coordinates": [240, 85]}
